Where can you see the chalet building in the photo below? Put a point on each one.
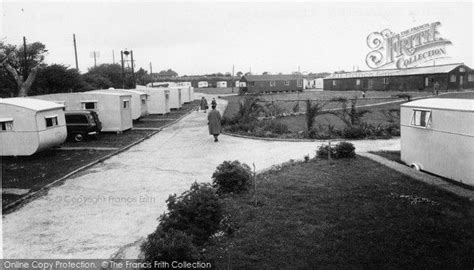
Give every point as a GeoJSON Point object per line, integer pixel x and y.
{"type": "Point", "coordinates": [271, 83]}
{"type": "Point", "coordinates": [449, 77]}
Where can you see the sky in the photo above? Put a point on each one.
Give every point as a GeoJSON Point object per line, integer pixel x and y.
{"type": "Point", "coordinates": [208, 37]}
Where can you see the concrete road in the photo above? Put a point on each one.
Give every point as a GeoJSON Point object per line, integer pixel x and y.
{"type": "Point", "coordinates": [106, 210]}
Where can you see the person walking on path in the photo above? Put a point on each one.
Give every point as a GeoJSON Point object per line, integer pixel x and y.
{"type": "Point", "coordinates": [214, 122]}
{"type": "Point", "coordinates": [213, 102]}
{"type": "Point", "coordinates": [204, 105]}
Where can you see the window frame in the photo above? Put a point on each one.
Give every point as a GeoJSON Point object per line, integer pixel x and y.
{"type": "Point", "coordinates": [286, 83]}
{"type": "Point", "coordinates": [272, 83]}
{"type": "Point", "coordinates": [84, 104]}
{"type": "Point", "coordinates": [7, 123]}
{"type": "Point", "coordinates": [54, 121]}
{"type": "Point", "coordinates": [470, 77]}
{"type": "Point", "coordinates": [451, 78]}
{"type": "Point", "coordinates": [126, 104]}
{"type": "Point", "coordinates": [299, 83]}
{"type": "Point", "coordinates": [427, 119]}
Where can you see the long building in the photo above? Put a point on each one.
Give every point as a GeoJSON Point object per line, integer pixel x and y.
{"type": "Point", "coordinates": [271, 83]}
{"type": "Point", "coordinates": [449, 77]}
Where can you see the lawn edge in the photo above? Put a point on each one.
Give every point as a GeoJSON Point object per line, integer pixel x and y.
{"type": "Point", "coordinates": [421, 176]}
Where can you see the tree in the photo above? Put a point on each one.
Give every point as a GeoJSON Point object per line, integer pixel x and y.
{"type": "Point", "coordinates": [265, 73]}
{"type": "Point", "coordinates": [168, 73]}
{"type": "Point", "coordinates": [239, 73]}
{"type": "Point", "coordinates": [103, 74]}
{"type": "Point", "coordinates": [142, 77]}
{"type": "Point", "coordinates": [22, 68]}
{"type": "Point", "coordinates": [57, 78]}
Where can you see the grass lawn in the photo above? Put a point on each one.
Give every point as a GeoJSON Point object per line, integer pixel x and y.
{"type": "Point", "coordinates": [354, 214]}
{"type": "Point", "coordinates": [40, 169]}
{"type": "Point", "coordinates": [110, 139]}
{"type": "Point", "coordinates": [375, 116]}
{"type": "Point", "coordinates": [468, 95]}
{"type": "Point", "coordinates": [391, 155]}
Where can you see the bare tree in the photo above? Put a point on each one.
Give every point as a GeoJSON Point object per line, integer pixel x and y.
{"type": "Point", "coordinates": [16, 63]}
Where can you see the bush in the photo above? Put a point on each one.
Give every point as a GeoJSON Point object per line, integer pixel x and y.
{"type": "Point", "coordinates": [354, 132]}
{"type": "Point", "coordinates": [196, 212]}
{"type": "Point", "coordinates": [340, 150]}
{"type": "Point", "coordinates": [171, 245]}
{"type": "Point", "coordinates": [232, 177]}
{"type": "Point", "coordinates": [345, 150]}
{"type": "Point", "coordinates": [276, 127]}
{"type": "Point", "coordinates": [323, 151]}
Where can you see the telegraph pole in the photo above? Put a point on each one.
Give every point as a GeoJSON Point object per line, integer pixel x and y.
{"type": "Point", "coordinates": [95, 60]}
{"type": "Point", "coordinates": [123, 70]}
{"type": "Point", "coordinates": [25, 68]}
{"type": "Point", "coordinates": [133, 71]}
{"type": "Point", "coordinates": [75, 50]}
{"type": "Point", "coordinates": [113, 56]}
{"type": "Point", "coordinates": [151, 70]}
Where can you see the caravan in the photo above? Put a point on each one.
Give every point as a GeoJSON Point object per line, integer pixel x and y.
{"type": "Point", "coordinates": [114, 109]}
{"type": "Point", "coordinates": [29, 125]}
{"type": "Point", "coordinates": [176, 101]}
{"type": "Point", "coordinates": [437, 136]}
{"type": "Point", "coordinates": [158, 100]}
{"type": "Point", "coordinates": [139, 101]}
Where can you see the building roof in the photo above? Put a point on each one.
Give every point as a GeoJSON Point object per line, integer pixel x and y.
{"type": "Point", "coordinates": [456, 104]}
{"type": "Point", "coordinates": [281, 77]}
{"type": "Point", "coordinates": [32, 104]}
{"type": "Point", "coordinates": [396, 72]}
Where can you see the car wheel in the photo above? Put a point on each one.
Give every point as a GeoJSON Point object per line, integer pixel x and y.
{"type": "Point", "coordinates": [78, 137]}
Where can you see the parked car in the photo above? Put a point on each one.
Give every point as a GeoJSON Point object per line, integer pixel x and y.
{"type": "Point", "coordinates": [82, 125]}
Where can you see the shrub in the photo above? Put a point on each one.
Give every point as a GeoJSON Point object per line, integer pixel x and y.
{"type": "Point", "coordinates": [323, 151]}
{"type": "Point", "coordinates": [344, 150]}
{"type": "Point", "coordinates": [353, 132]}
{"type": "Point", "coordinates": [196, 212]}
{"type": "Point", "coordinates": [232, 177]}
{"type": "Point", "coordinates": [340, 150]}
{"type": "Point", "coordinates": [276, 127]}
{"type": "Point", "coordinates": [171, 245]}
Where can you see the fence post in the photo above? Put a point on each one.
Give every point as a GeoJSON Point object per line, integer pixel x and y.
{"type": "Point", "coordinates": [254, 186]}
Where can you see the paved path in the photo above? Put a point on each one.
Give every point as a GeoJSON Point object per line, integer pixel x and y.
{"type": "Point", "coordinates": [116, 203]}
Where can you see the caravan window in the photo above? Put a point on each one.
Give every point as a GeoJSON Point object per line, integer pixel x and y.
{"type": "Point", "coordinates": [287, 83]}
{"type": "Point", "coordinates": [51, 121]}
{"type": "Point", "coordinates": [143, 101]}
{"type": "Point", "coordinates": [272, 83]}
{"type": "Point", "coordinates": [89, 105]}
{"type": "Point", "coordinates": [358, 82]}
{"type": "Point", "coordinates": [126, 104]}
{"type": "Point", "coordinates": [421, 118]}
{"type": "Point", "coordinates": [300, 83]}
{"type": "Point", "coordinates": [470, 77]}
{"type": "Point", "coordinates": [452, 78]}
{"type": "Point", "coordinates": [6, 125]}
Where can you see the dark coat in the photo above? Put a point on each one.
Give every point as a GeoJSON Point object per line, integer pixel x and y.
{"type": "Point", "coordinates": [203, 104]}
{"type": "Point", "coordinates": [214, 122]}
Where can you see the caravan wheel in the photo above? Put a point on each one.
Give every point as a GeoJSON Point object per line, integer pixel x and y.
{"type": "Point", "coordinates": [415, 166]}
{"type": "Point", "coordinates": [78, 137]}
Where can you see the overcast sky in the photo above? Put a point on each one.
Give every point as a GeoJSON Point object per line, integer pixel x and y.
{"type": "Point", "coordinates": [209, 37]}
